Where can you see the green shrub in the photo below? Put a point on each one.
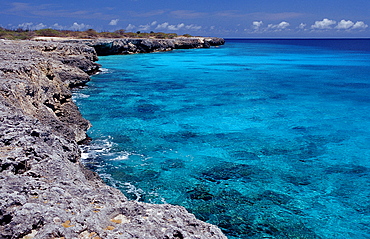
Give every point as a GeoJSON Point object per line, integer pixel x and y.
{"type": "Point", "coordinates": [90, 33]}
{"type": "Point", "coordinates": [48, 32]}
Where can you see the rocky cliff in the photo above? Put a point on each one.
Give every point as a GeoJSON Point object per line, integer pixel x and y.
{"type": "Point", "coordinates": [133, 45]}
{"type": "Point", "coordinates": [45, 191]}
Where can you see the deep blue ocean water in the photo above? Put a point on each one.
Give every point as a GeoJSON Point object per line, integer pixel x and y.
{"type": "Point", "coordinates": [263, 138]}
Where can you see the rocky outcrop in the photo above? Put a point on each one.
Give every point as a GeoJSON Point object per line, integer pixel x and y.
{"type": "Point", "coordinates": [132, 46]}
{"type": "Point", "coordinates": [45, 191]}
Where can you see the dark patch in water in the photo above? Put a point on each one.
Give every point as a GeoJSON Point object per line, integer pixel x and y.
{"type": "Point", "coordinates": [181, 136]}
{"type": "Point", "coordinates": [274, 197]}
{"type": "Point", "coordinates": [244, 155]}
{"type": "Point", "coordinates": [147, 108]}
{"type": "Point", "coordinates": [347, 169]}
{"type": "Point", "coordinates": [200, 193]}
{"type": "Point", "coordinates": [310, 150]}
{"type": "Point", "coordinates": [169, 85]}
{"type": "Point", "coordinates": [301, 129]}
{"type": "Point", "coordinates": [298, 180]}
{"type": "Point", "coordinates": [350, 85]}
{"type": "Point", "coordinates": [226, 171]}
{"type": "Point", "coordinates": [121, 138]}
{"type": "Point", "coordinates": [171, 164]}
{"type": "Point", "coordinates": [278, 97]}
{"type": "Point", "coordinates": [274, 151]}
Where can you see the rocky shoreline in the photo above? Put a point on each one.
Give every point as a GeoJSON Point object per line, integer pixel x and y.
{"type": "Point", "coordinates": [105, 47]}
{"type": "Point", "coordinates": [45, 191]}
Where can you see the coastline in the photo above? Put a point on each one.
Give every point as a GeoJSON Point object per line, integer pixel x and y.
{"type": "Point", "coordinates": [45, 190]}
{"type": "Point", "coordinates": [116, 46]}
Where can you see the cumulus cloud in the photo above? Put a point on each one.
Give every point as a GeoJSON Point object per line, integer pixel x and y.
{"type": "Point", "coordinates": [145, 27]}
{"type": "Point", "coordinates": [360, 25]}
{"type": "Point", "coordinates": [25, 25]}
{"type": "Point", "coordinates": [114, 22]}
{"type": "Point", "coordinates": [343, 24]}
{"type": "Point", "coordinates": [324, 24]}
{"type": "Point", "coordinates": [40, 26]}
{"type": "Point", "coordinates": [257, 24]}
{"type": "Point", "coordinates": [302, 26]}
{"type": "Point", "coordinates": [31, 26]}
{"type": "Point", "coordinates": [176, 27]}
{"type": "Point", "coordinates": [79, 27]}
{"type": "Point", "coordinates": [346, 25]}
{"type": "Point", "coordinates": [58, 27]}
{"type": "Point", "coordinates": [193, 27]}
{"type": "Point", "coordinates": [165, 26]}
{"type": "Point", "coordinates": [173, 27]}
{"type": "Point", "coordinates": [130, 27]}
{"type": "Point", "coordinates": [281, 26]}
{"type": "Point", "coordinates": [162, 26]}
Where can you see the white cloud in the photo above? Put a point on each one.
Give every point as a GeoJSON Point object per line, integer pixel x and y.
{"type": "Point", "coordinates": [324, 24]}
{"type": "Point", "coordinates": [31, 26]}
{"type": "Point", "coordinates": [343, 24]}
{"type": "Point", "coordinates": [193, 27]}
{"type": "Point", "coordinates": [280, 26]}
{"type": "Point", "coordinates": [40, 26]}
{"type": "Point", "coordinates": [25, 25]}
{"type": "Point", "coordinates": [167, 26]}
{"type": "Point", "coordinates": [113, 22]}
{"type": "Point", "coordinates": [360, 25]}
{"type": "Point", "coordinates": [302, 26]}
{"type": "Point", "coordinates": [162, 26]}
{"type": "Point", "coordinates": [257, 25]}
{"type": "Point", "coordinates": [58, 27]}
{"type": "Point", "coordinates": [144, 27]}
{"type": "Point", "coordinates": [130, 27]}
{"type": "Point", "coordinates": [79, 27]}
{"type": "Point", "coordinates": [176, 27]}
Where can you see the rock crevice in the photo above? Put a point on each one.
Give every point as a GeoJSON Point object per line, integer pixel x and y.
{"type": "Point", "coordinates": [45, 191]}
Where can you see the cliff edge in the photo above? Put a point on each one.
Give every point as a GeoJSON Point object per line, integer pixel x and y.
{"type": "Point", "coordinates": [113, 46]}
{"type": "Point", "coordinates": [45, 191]}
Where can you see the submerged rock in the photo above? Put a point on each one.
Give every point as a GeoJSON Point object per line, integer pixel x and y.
{"type": "Point", "coordinates": [45, 191]}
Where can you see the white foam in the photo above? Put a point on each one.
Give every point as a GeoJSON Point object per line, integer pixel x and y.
{"type": "Point", "coordinates": [103, 71]}
{"type": "Point", "coordinates": [85, 155]}
{"type": "Point", "coordinates": [123, 156]}
{"type": "Point", "coordinates": [78, 95]}
{"type": "Point", "coordinates": [134, 190]}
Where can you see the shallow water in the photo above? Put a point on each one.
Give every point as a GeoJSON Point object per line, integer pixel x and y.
{"type": "Point", "coordinates": [266, 139]}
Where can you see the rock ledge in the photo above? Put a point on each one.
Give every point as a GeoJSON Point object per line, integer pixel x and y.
{"type": "Point", "coordinates": [45, 191]}
{"type": "Point", "coordinates": [139, 45]}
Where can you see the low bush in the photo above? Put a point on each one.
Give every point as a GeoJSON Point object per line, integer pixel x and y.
{"type": "Point", "coordinates": [20, 34]}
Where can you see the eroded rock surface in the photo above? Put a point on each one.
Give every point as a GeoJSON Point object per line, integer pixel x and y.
{"type": "Point", "coordinates": [45, 191]}
{"type": "Point", "coordinates": [132, 45]}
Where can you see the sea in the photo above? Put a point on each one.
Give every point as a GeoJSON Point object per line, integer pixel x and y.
{"type": "Point", "coordinates": [264, 138]}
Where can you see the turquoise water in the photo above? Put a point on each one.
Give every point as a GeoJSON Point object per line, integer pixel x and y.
{"type": "Point", "coordinates": [265, 139]}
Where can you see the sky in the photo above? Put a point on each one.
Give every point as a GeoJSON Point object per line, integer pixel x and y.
{"type": "Point", "coordinates": [219, 18]}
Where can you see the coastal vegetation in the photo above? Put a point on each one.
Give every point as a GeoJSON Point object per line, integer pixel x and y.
{"type": "Point", "coordinates": [21, 34]}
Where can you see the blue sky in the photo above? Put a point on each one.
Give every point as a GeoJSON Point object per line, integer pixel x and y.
{"type": "Point", "coordinates": [233, 18]}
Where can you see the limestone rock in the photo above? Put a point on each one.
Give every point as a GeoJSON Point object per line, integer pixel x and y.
{"type": "Point", "coordinates": [45, 191]}
{"type": "Point", "coordinates": [133, 45]}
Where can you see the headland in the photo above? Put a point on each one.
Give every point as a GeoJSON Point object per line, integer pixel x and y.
{"type": "Point", "coordinates": [45, 191]}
